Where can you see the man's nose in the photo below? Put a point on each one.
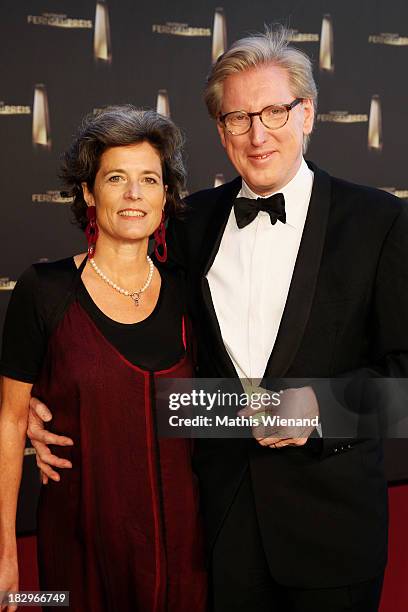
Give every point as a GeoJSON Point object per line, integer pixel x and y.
{"type": "Point", "coordinates": [258, 132]}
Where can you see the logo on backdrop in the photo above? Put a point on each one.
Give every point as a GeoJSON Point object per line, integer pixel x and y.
{"type": "Point", "coordinates": [219, 32]}
{"type": "Point", "coordinates": [102, 38]}
{"type": "Point", "coordinates": [41, 118]}
{"type": "Point", "coordinates": [51, 196]}
{"type": "Point", "coordinates": [296, 36]}
{"type": "Point", "coordinates": [388, 39]}
{"type": "Point", "coordinates": [57, 20]}
{"type": "Point", "coordinates": [326, 54]}
{"type": "Point", "coordinates": [6, 284]}
{"type": "Point", "coordinates": [14, 109]}
{"type": "Point", "coordinates": [180, 29]}
{"type": "Point", "coordinates": [342, 117]}
{"type": "Point", "coordinates": [374, 119]}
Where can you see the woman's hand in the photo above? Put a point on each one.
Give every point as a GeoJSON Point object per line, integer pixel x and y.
{"type": "Point", "coordinates": [8, 579]}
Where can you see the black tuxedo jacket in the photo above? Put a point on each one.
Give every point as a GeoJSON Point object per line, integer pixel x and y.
{"type": "Point", "coordinates": [321, 508]}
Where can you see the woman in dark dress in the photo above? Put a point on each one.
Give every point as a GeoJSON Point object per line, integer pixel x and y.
{"type": "Point", "coordinates": [91, 336]}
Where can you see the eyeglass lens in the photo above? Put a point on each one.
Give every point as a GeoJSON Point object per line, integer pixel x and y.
{"type": "Point", "coordinates": [272, 117]}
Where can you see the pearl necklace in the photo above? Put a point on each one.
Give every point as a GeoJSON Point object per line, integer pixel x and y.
{"type": "Point", "coordinates": [135, 295]}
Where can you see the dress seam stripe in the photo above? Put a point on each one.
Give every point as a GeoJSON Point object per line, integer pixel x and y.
{"type": "Point", "coordinates": [154, 497]}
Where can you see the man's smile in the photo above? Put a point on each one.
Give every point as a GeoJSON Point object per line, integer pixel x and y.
{"type": "Point", "coordinates": [261, 156]}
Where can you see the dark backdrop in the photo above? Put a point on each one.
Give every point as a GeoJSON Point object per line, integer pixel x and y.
{"type": "Point", "coordinates": [59, 60]}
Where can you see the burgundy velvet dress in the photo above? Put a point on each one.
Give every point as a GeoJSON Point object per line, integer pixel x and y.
{"type": "Point", "coordinates": [121, 529]}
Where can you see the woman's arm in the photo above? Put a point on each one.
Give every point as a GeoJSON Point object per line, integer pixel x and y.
{"type": "Point", "coordinates": [14, 403]}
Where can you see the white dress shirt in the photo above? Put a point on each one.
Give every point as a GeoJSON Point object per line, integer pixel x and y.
{"type": "Point", "coordinates": [251, 275]}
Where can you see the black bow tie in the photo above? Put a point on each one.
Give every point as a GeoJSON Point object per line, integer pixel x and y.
{"type": "Point", "coordinates": [246, 209]}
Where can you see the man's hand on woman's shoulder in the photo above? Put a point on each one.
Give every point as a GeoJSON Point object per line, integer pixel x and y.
{"type": "Point", "coordinates": [41, 437]}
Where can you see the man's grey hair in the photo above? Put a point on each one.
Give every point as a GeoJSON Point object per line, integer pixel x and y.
{"type": "Point", "coordinates": [271, 47]}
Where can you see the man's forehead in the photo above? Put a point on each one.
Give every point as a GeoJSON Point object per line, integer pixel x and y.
{"type": "Point", "coordinates": [267, 84]}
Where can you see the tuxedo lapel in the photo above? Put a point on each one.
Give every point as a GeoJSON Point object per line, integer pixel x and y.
{"type": "Point", "coordinates": [213, 236]}
{"type": "Point", "coordinates": [217, 223]}
{"type": "Point", "coordinates": [225, 367]}
{"type": "Point", "coordinates": [303, 284]}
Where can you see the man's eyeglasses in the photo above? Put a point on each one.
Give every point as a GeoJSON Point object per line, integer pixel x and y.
{"type": "Point", "coordinates": [273, 117]}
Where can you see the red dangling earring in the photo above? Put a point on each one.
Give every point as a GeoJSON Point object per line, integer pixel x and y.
{"type": "Point", "coordinates": [160, 241]}
{"type": "Point", "coordinates": [91, 230]}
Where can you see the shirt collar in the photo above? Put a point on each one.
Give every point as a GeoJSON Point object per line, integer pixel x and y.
{"type": "Point", "coordinates": [297, 194]}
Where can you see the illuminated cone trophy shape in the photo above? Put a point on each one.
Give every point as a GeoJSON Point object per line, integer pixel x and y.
{"type": "Point", "coordinates": [326, 55]}
{"type": "Point", "coordinates": [219, 180]}
{"type": "Point", "coordinates": [102, 39]}
{"type": "Point", "coordinates": [41, 118]}
{"type": "Point", "coordinates": [219, 40]}
{"type": "Point", "coordinates": [375, 125]}
{"type": "Point", "coordinates": [163, 104]}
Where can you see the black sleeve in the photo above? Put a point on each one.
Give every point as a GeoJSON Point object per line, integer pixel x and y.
{"type": "Point", "coordinates": [24, 333]}
{"type": "Point", "coordinates": [176, 258]}
{"type": "Point", "coordinates": [359, 397]}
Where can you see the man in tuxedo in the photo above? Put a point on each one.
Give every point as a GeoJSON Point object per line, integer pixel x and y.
{"type": "Point", "coordinates": [291, 274]}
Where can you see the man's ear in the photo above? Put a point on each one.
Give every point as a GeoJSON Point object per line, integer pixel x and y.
{"type": "Point", "coordinates": [88, 197]}
{"type": "Point", "coordinates": [221, 133]}
{"type": "Point", "coordinates": [308, 115]}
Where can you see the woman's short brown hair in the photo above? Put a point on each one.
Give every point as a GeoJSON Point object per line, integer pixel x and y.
{"type": "Point", "coordinates": [116, 126]}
